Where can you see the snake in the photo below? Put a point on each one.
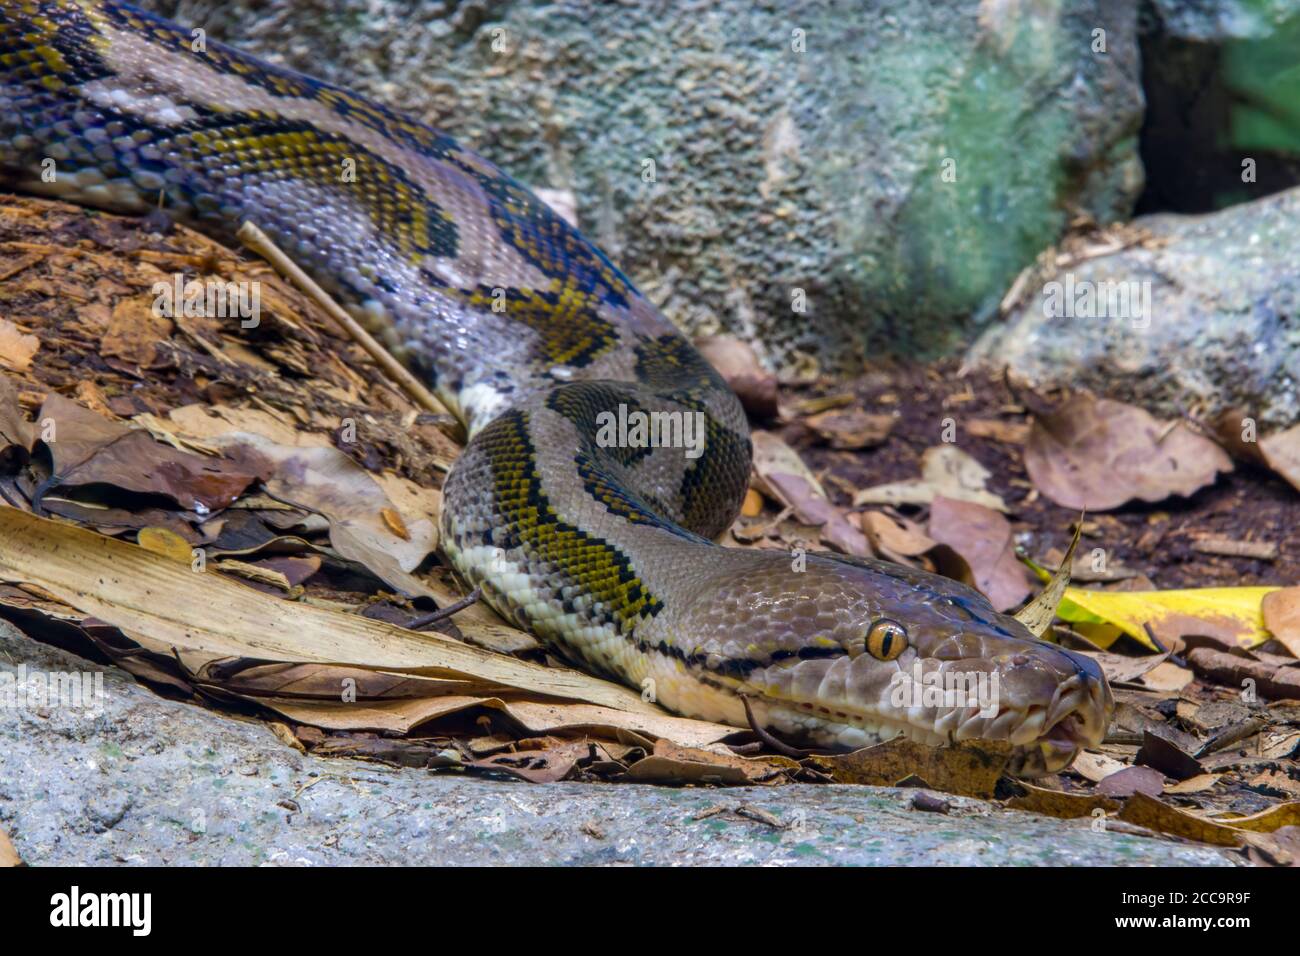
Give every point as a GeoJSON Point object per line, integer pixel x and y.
{"type": "Point", "coordinates": [604, 455]}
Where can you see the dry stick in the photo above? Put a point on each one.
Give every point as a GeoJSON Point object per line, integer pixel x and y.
{"type": "Point", "coordinates": [258, 241]}
{"type": "Point", "coordinates": [444, 612]}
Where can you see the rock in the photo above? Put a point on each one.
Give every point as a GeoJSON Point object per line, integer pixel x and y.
{"type": "Point", "coordinates": [1214, 21]}
{"type": "Point", "coordinates": [1224, 320]}
{"type": "Point", "coordinates": [772, 170]}
{"type": "Point", "coordinates": [146, 780]}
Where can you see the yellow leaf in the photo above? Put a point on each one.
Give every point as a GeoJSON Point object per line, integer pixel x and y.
{"type": "Point", "coordinates": [167, 543]}
{"type": "Point", "coordinates": [1230, 613]}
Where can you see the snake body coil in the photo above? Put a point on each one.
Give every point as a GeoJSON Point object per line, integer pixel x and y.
{"type": "Point", "coordinates": [604, 452]}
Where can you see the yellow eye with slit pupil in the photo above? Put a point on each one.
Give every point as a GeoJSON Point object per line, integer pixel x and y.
{"type": "Point", "coordinates": [886, 639]}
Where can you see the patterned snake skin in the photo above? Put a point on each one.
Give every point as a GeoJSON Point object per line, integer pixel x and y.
{"type": "Point", "coordinates": [596, 541]}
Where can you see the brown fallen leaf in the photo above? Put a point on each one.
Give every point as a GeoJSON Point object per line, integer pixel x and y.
{"type": "Point", "coordinates": [851, 428]}
{"type": "Point", "coordinates": [1167, 676]}
{"type": "Point", "coordinates": [1125, 668]}
{"type": "Point", "coordinates": [945, 470]}
{"type": "Point", "coordinates": [361, 516]}
{"type": "Point", "coordinates": [8, 855]}
{"type": "Point", "coordinates": [1279, 848]}
{"type": "Point", "coordinates": [1056, 803]}
{"type": "Point", "coordinates": [88, 449]}
{"type": "Point", "coordinates": [962, 769]}
{"type": "Point", "coordinates": [1234, 429]}
{"type": "Point", "coordinates": [1198, 784]}
{"type": "Point", "coordinates": [1281, 452]}
{"type": "Point", "coordinates": [1098, 454]}
{"type": "Point", "coordinates": [1282, 617]}
{"type": "Point", "coordinates": [16, 433]}
{"type": "Point", "coordinates": [17, 348]}
{"type": "Point", "coordinates": [548, 765]}
{"type": "Point", "coordinates": [167, 543]}
{"type": "Point", "coordinates": [1144, 810]}
{"type": "Point", "coordinates": [983, 538]}
{"type": "Point", "coordinates": [782, 475]}
{"type": "Point", "coordinates": [902, 541]}
{"type": "Point", "coordinates": [842, 535]}
{"type": "Point", "coordinates": [1096, 767]}
{"type": "Point", "coordinates": [1160, 753]}
{"type": "Point", "coordinates": [1266, 821]}
{"type": "Point", "coordinates": [1011, 433]}
{"type": "Point", "coordinates": [1131, 780]}
{"type": "Point", "coordinates": [135, 332]}
{"type": "Point", "coordinates": [672, 764]}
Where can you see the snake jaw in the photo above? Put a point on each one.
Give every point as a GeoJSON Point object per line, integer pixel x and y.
{"type": "Point", "coordinates": [1046, 737]}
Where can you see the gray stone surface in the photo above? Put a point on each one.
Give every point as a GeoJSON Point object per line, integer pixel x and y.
{"type": "Point", "coordinates": [152, 781]}
{"type": "Point", "coordinates": [776, 170]}
{"type": "Point", "coordinates": [1224, 327]}
{"type": "Point", "coordinates": [1213, 21]}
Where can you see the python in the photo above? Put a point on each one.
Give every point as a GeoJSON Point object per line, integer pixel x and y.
{"type": "Point", "coordinates": [527, 332]}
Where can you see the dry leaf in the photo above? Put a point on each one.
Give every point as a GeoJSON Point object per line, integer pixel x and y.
{"type": "Point", "coordinates": [1055, 803]}
{"type": "Point", "coordinates": [8, 855]}
{"type": "Point", "coordinates": [1281, 452]}
{"type": "Point", "coordinates": [1281, 610]}
{"type": "Point", "coordinates": [851, 428]}
{"type": "Point", "coordinates": [1096, 767]}
{"type": "Point", "coordinates": [676, 765]}
{"type": "Point", "coordinates": [1098, 454]}
{"type": "Point", "coordinates": [1039, 613]}
{"type": "Point", "coordinates": [945, 470]}
{"type": "Point", "coordinates": [783, 477]}
{"type": "Point", "coordinates": [1232, 614]}
{"type": "Point", "coordinates": [162, 604]}
{"type": "Point", "coordinates": [1123, 668]}
{"type": "Point", "coordinates": [16, 347]}
{"type": "Point", "coordinates": [1131, 780]}
{"type": "Point", "coordinates": [326, 481]}
{"type": "Point", "coordinates": [1197, 784]}
{"type": "Point", "coordinates": [1168, 677]}
{"type": "Point", "coordinates": [135, 331]}
{"type": "Point", "coordinates": [964, 768]}
{"type": "Point", "coordinates": [1146, 811]}
{"type": "Point", "coordinates": [983, 538]}
{"type": "Point", "coordinates": [88, 449]}
{"type": "Point", "coordinates": [167, 543]}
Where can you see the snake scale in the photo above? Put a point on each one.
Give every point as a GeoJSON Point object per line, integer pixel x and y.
{"type": "Point", "coordinates": [601, 546]}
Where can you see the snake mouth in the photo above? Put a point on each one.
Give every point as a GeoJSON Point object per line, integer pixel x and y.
{"type": "Point", "coordinates": [1044, 707]}
{"type": "Point", "coordinates": [1049, 739]}
{"type": "Point", "coordinates": [1045, 735]}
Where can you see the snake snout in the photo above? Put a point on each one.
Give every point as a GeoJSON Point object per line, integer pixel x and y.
{"type": "Point", "coordinates": [1051, 736]}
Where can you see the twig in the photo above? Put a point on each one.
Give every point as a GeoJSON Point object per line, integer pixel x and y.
{"type": "Point", "coordinates": [258, 241]}
{"type": "Point", "coordinates": [445, 612]}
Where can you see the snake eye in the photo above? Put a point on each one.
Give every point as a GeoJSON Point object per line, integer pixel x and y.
{"type": "Point", "coordinates": [886, 639]}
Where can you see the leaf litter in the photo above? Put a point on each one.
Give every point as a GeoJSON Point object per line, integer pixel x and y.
{"type": "Point", "coordinates": [261, 505]}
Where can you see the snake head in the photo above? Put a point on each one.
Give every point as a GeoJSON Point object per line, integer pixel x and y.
{"type": "Point", "coordinates": [849, 652]}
